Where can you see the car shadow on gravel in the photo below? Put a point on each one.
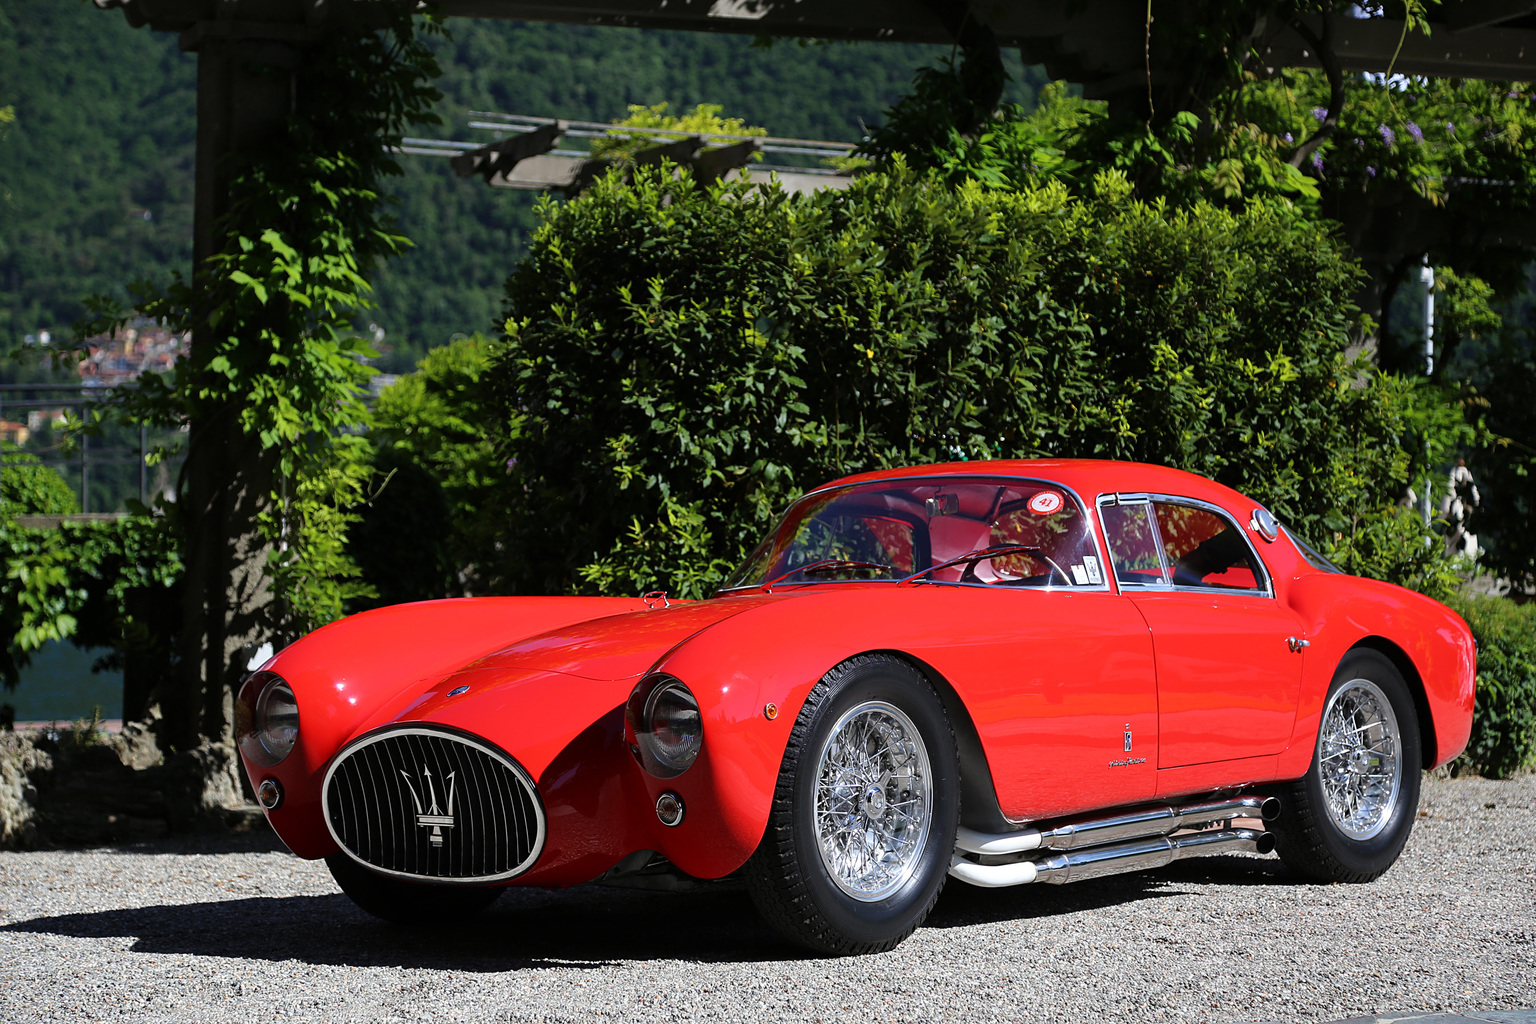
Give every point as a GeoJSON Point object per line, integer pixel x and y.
{"type": "Point", "coordinates": [526, 929]}
{"type": "Point", "coordinates": [588, 926]}
{"type": "Point", "coordinates": [962, 906]}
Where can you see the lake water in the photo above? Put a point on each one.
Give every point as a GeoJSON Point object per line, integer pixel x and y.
{"type": "Point", "coordinates": [59, 686]}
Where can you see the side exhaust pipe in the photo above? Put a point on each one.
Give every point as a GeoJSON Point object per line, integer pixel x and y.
{"type": "Point", "coordinates": [1111, 859]}
{"type": "Point", "coordinates": [1132, 840]}
{"type": "Point", "coordinates": [1148, 821]}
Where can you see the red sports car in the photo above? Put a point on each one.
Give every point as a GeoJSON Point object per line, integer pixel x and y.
{"type": "Point", "coordinates": [1008, 672]}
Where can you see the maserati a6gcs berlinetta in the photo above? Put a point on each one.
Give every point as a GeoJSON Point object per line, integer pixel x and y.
{"type": "Point", "coordinates": [1004, 672]}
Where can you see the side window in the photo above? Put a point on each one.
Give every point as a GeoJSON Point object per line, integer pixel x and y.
{"type": "Point", "coordinates": [1133, 545]}
{"type": "Point", "coordinates": [1205, 549]}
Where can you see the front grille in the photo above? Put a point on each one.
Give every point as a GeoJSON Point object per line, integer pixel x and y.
{"type": "Point", "coordinates": [427, 803]}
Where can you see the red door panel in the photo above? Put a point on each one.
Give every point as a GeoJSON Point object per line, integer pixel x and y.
{"type": "Point", "coordinates": [1053, 680]}
{"type": "Point", "coordinates": [1227, 681]}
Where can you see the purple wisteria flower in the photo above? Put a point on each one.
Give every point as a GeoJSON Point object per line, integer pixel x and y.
{"type": "Point", "coordinates": [512, 462]}
{"type": "Point", "coordinates": [1371, 171]}
{"type": "Point", "coordinates": [1416, 132]}
{"type": "Point", "coordinates": [1320, 113]}
{"type": "Point", "coordinates": [1317, 162]}
{"type": "Point", "coordinates": [1359, 143]}
{"type": "Point", "coordinates": [1450, 126]}
{"type": "Point", "coordinates": [1288, 137]}
{"type": "Point", "coordinates": [1387, 135]}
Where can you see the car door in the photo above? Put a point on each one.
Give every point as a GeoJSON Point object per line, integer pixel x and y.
{"type": "Point", "coordinates": [1228, 655]}
{"type": "Point", "coordinates": [1055, 668]}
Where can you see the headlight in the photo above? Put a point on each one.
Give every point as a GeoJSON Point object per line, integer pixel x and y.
{"type": "Point", "coordinates": [669, 732]}
{"type": "Point", "coordinates": [268, 719]}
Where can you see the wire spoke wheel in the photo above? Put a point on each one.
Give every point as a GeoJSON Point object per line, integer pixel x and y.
{"type": "Point", "coordinates": [863, 821]}
{"type": "Point", "coordinates": [1349, 817]}
{"type": "Point", "coordinates": [1359, 763]}
{"type": "Point", "coordinates": [873, 801]}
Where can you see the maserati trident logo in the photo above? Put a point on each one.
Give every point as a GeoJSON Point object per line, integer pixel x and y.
{"type": "Point", "coordinates": [432, 817]}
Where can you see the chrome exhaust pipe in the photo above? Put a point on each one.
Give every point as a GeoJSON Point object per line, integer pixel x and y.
{"type": "Point", "coordinates": [1149, 821]}
{"type": "Point", "coordinates": [1111, 859]}
{"type": "Point", "coordinates": [1146, 854]}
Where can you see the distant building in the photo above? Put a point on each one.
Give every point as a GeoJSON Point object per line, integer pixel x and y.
{"type": "Point", "coordinates": [145, 348]}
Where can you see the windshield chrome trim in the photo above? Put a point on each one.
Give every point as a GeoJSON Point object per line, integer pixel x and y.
{"type": "Point", "coordinates": [1106, 568]}
{"type": "Point", "coordinates": [1146, 499]}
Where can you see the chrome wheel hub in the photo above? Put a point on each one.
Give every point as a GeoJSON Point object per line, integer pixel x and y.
{"type": "Point", "coordinates": [873, 801]}
{"type": "Point", "coordinates": [1359, 759]}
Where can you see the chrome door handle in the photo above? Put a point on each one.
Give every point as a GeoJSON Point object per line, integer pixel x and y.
{"type": "Point", "coordinates": [1296, 643]}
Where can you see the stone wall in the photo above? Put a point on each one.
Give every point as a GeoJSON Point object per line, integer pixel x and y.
{"type": "Point", "coordinates": [83, 786]}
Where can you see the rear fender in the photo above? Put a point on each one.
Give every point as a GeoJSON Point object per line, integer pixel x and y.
{"type": "Point", "coordinates": [1431, 645]}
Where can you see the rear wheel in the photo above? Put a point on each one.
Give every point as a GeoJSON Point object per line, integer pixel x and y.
{"type": "Point", "coordinates": [408, 903]}
{"type": "Point", "coordinates": [1348, 818]}
{"type": "Point", "coordinates": [863, 822]}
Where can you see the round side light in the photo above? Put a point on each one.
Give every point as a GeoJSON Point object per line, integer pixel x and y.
{"type": "Point", "coordinates": [270, 794]}
{"type": "Point", "coordinates": [669, 809]}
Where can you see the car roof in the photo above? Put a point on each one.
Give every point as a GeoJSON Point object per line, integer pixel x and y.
{"type": "Point", "coordinates": [1088, 477]}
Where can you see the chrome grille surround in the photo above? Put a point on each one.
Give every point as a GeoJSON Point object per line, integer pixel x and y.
{"type": "Point", "coordinates": [431, 803]}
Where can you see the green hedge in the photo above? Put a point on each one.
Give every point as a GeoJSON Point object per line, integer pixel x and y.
{"type": "Point", "coordinates": [1504, 722]}
{"type": "Point", "coordinates": [681, 360]}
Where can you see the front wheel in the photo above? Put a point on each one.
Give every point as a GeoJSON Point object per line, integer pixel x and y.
{"type": "Point", "coordinates": [408, 903]}
{"type": "Point", "coordinates": [864, 815]}
{"type": "Point", "coordinates": [1348, 818]}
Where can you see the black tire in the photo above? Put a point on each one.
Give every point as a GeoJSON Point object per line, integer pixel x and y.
{"type": "Point", "coordinates": [865, 701]}
{"type": "Point", "coordinates": [407, 903]}
{"type": "Point", "coordinates": [1330, 842]}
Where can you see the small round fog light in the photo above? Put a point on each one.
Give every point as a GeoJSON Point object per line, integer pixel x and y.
{"type": "Point", "coordinates": [669, 808]}
{"type": "Point", "coordinates": [270, 793]}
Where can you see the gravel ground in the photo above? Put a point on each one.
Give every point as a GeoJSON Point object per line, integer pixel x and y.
{"type": "Point", "coordinates": [240, 930]}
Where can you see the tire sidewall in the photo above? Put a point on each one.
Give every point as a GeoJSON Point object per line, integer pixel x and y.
{"type": "Point", "coordinates": [1376, 854]}
{"type": "Point", "coordinates": [896, 683]}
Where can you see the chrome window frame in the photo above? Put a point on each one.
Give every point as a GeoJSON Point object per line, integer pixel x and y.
{"type": "Point", "coordinates": [1106, 568]}
{"type": "Point", "coordinates": [1146, 500]}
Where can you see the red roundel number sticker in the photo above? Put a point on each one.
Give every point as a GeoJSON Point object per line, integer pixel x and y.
{"type": "Point", "coordinates": [1046, 502]}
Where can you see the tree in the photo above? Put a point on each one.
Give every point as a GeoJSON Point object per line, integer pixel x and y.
{"type": "Point", "coordinates": [271, 392]}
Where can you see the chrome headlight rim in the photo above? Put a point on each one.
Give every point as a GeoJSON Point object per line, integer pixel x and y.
{"type": "Point", "coordinates": [646, 705]}
{"type": "Point", "coordinates": [271, 730]}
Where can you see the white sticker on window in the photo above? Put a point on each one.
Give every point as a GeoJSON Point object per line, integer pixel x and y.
{"type": "Point", "coordinates": [1092, 565]}
{"type": "Point", "coordinates": [1079, 576]}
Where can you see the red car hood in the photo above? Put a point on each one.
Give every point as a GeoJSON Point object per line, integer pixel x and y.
{"type": "Point", "coordinates": [615, 647]}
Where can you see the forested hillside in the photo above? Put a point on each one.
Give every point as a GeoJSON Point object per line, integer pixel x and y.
{"type": "Point", "coordinates": [96, 173]}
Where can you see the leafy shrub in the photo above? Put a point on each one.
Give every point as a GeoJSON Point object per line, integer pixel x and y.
{"type": "Point", "coordinates": [439, 482]}
{"type": "Point", "coordinates": [98, 584]}
{"type": "Point", "coordinates": [1504, 721]}
{"type": "Point", "coordinates": [28, 488]}
{"type": "Point", "coordinates": [682, 360]}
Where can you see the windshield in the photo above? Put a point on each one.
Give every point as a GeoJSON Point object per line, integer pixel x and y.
{"type": "Point", "coordinates": [892, 529]}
